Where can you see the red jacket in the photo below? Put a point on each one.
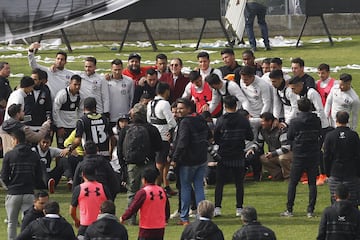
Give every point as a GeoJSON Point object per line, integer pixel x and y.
{"type": "Point", "coordinates": [177, 89]}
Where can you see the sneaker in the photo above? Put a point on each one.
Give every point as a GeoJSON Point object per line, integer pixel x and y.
{"type": "Point", "coordinates": [192, 213]}
{"type": "Point", "coordinates": [217, 212]}
{"type": "Point", "coordinates": [69, 184]}
{"type": "Point", "coordinates": [321, 180]}
{"type": "Point", "coordinates": [51, 185]}
{"type": "Point", "coordinates": [287, 213]}
{"type": "Point", "coordinates": [310, 214]}
{"type": "Point", "coordinates": [176, 214]}
{"type": "Point", "coordinates": [182, 223]}
{"type": "Point", "coordinates": [238, 212]}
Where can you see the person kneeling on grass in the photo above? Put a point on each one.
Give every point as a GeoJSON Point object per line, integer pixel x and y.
{"type": "Point", "coordinates": [154, 207]}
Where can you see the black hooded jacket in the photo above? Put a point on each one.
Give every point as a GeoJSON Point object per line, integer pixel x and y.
{"type": "Point", "coordinates": [106, 227]}
{"type": "Point", "coordinates": [202, 230]}
{"type": "Point", "coordinates": [47, 228]}
{"type": "Point", "coordinates": [340, 221]}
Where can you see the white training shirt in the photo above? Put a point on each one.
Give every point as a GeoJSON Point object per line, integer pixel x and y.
{"type": "Point", "coordinates": [16, 97]}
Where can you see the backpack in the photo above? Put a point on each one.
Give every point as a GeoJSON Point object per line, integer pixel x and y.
{"type": "Point", "coordinates": [136, 145]}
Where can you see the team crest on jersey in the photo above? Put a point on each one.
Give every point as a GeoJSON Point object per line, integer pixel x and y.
{"type": "Point", "coordinates": [123, 85]}
{"type": "Point", "coordinates": [41, 101]}
{"type": "Point", "coordinates": [123, 92]}
{"type": "Point", "coordinates": [72, 105]}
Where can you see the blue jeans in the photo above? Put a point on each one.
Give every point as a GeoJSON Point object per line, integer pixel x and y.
{"type": "Point", "coordinates": [253, 10]}
{"type": "Point", "coordinates": [191, 175]}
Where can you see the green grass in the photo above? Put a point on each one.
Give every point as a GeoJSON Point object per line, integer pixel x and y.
{"type": "Point", "coordinates": [269, 198]}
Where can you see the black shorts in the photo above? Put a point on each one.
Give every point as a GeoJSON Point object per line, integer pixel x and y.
{"type": "Point", "coordinates": [161, 156]}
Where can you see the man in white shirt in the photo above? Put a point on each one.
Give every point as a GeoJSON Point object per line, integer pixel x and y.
{"type": "Point", "coordinates": [95, 85]}
{"type": "Point", "coordinates": [67, 109]}
{"type": "Point", "coordinates": [343, 97]}
{"type": "Point", "coordinates": [58, 76]}
{"type": "Point", "coordinates": [222, 88]}
{"type": "Point", "coordinates": [159, 114]}
{"type": "Point", "coordinates": [18, 96]}
{"type": "Point", "coordinates": [301, 90]}
{"type": "Point", "coordinates": [257, 92]}
{"type": "Point", "coordinates": [121, 90]}
{"type": "Point", "coordinates": [275, 64]}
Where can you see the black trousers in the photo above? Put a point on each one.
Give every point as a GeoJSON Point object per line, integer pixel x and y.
{"type": "Point", "coordinates": [238, 174]}
{"type": "Point", "coordinates": [300, 165]}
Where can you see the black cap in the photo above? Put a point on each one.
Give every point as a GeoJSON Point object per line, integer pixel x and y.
{"type": "Point", "coordinates": [134, 55]}
{"type": "Point", "coordinates": [124, 117]}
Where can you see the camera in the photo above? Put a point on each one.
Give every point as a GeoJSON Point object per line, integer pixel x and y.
{"type": "Point", "coordinates": [213, 151]}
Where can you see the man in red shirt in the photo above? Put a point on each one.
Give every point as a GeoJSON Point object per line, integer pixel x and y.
{"type": "Point", "coordinates": [134, 70]}
{"type": "Point", "coordinates": [154, 207]}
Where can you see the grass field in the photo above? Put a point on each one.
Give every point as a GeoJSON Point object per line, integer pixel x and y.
{"type": "Point", "coordinates": [268, 197]}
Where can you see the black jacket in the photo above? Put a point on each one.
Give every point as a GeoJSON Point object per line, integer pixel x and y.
{"type": "Point", "coordinates": [48, 229]}
{"type": "Point", "coordinates": [231, 131]}
{"type": "Point", "coordinates": [202, 230]}
{"type": "Point", "coordinates": [21, 170]}
{"type": "Point", "coordinates": [342, 153]}
{"type": "Point", "coordinates": [340, 221]}
{"type": "Point", "coordinates": [104, 173]}
{"type": "Point", "coordinates": [303, 133]}
{"type": "Point", "coordinates": [30, 215]}
{"type": "Point", "coordinates": [191, 141]}
{"type": "Point", "coordinates": [155, 142]}
{"type": "Point", "coordinates": [254, 231]}
{"type": "Point", "coordinates": [106, 227]}
{"type": "Point", "coordinates": [39, 109]}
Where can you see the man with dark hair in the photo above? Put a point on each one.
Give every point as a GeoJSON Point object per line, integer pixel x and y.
{"type": "Point", "coordinates": [230, 71]}
{"type": "Point", "coordinates": [67, 109]}
{"type": "Point", "coordinates": [297, 67]}
{"type": "Point", "coordinates": [342, 158]}
{"type": "Point", "coordinates": [94, 85]}
{"type": "Point", "coordinates": [203, 227]}
{"type": "Point", "coordinates": [256, 91]}
{"type": "Point", "coordinates": [134, 70]}
{"type": "Point", "coordinates": [107, 225]}
{"type": "Point", "coordinates": [93, 126]}
{"type": "Point", "coordinates": [18, 96]}
{"type": "Point", "coordinates": [88, 196]}
{"type": "Point", "coordinates": [5, 89]}
{"type": "Point", "coordinates": [104, 172]}
{"type": "Point", "coordinates": [248, 58]}
{"type": "Point", "coordinates": [51, 226]}
{"type": "Point", "coordinates": [343, 97]}
{"type": "Point", "coordinates": [154, 207]}
{"type": "Point", "coordinates": [159, 114]}
{"type": "Point", "coordinates": [231, 131]}
{"type": "Point", "coordinates": [341, 220]}
{"type": "Point", "coordinates": [176, 80]}
{"type": "Point", "coordinates": [252, 228]}
{"type": "Point", "coordinates": [15, 122]}
{"type": "Point", "coordinates": [161, 64]}
{"type": "Point", "coordinates": [204, 65]}
{"type": "Point", "coordinates": [36, 211]}
{"type": "Point", "coordinates": [277, 161]}
{"type": "Point", "coordinates": [222, 88]}
{"type": "Point", "coordinates": [121, 90]}
{"type": "Point", "coordinates": [146, 85]}
{"type": "Point", "coordinates": [38, 103]}
{"type": "Point", "coordinates": [304, 133]}
{"type": "Point", "coordinates": [325, 83]}
{"type": "Point", "coordinates": [58, 76]}
{"type": "Point", "coordinates": [190, 152]}
{"type": "Point", "coordinates": [20, 171]}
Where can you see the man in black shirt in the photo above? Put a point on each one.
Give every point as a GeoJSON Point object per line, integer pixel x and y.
{"type": "Point", "coordinates": [148, 86]}
{"type": "Point", "coordinates": [5, 89]}
{"type": "Point", "coordinates": [231, 69]}
{"type": "Point", "coordinates": [36, 211]}
{"type": "Point", "coordinates": [342, 158]}
{"type": "Point", "coordinates": [297, 67]}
